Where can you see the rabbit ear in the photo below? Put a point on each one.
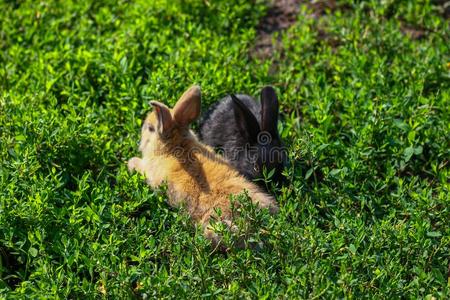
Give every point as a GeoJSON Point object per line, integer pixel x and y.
{"type": "Point", "coordinates": [187, 108]}
{"type": "Point", "coordinates": [165, 121]}
{"type": "Point", "coordinates": [269, 111]}
{"type": "Point", "coordinates": [246, 121]}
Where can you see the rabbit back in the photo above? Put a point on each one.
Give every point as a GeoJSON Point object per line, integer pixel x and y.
{"type": "Point", "coordinates": [220, 119]}
{"type": "Point", "coordinates": [219, 129]}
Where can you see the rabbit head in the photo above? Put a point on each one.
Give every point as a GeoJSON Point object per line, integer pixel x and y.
{"type": "Point", "coordinates": [164, 127]}
{"type": "Point", "coordinates": [264, 148]}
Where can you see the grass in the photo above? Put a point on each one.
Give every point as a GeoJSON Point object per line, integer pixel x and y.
{"type": "Point", "coordinates": [365, 111]}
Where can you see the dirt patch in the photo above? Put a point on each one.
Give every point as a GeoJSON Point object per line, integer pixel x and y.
{"type": "Point", "coordinates": [443, 6]}
{"type": "Point", "coordinates": [281, 15]}
{"type": "Point", "coordinates": [420, 32]}
{"type": "Point", "coordinates": [415, 33]}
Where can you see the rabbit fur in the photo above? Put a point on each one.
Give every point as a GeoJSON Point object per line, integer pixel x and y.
{"type": "Point", "coordinates": [245, 132]}
{"type": "Point", "coordinates": [196, 177]}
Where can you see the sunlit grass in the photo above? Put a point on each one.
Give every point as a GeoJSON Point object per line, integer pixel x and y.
{"type": "Point", "coordinates": [365, 115]}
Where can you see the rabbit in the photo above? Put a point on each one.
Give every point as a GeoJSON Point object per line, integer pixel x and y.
{"type": "Point", "coordinates": [246, 133]}
{"type": "Point", "coordinates": [196, 176]}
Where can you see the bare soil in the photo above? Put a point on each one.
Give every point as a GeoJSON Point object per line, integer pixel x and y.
{"type": "Point", "coordinates": [281, 15]}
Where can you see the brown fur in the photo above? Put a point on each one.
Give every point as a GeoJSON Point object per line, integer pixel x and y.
{"type": "Point", "coordinates": [196, 176]}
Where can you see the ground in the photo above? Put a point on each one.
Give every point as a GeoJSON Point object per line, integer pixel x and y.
{"type": "Point", "coordinates": [364, 93]}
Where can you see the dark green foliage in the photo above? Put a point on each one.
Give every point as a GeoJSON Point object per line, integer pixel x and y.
{"type": "Point", "coordinates": [365, 107]}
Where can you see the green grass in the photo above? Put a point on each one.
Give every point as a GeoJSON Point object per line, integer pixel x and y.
{"type": "Point", "coordinates": [366, 118]}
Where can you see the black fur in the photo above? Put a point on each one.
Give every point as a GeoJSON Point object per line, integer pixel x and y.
{"type": "Point", "coordinates": [238, 126]}
{"type": "Point", "coordinates": [247, 123]}
{"type": "Point", "coordinates": [269, 111]}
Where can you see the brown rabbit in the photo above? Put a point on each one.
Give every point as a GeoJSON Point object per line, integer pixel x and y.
{"type": "Point", "coordinates": [196, 176]}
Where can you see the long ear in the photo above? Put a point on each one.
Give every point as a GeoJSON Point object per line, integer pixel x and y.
{"type": "Point", "coordinates": [165, 121]}
{"type": "Point", "coordinates": [187, 108]}
{"type": "Point", "coordinates": [246, 121]}
{"type": "Point", "coordinates": [269, 111]}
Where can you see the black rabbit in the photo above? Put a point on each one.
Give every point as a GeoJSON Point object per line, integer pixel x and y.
{"type": "Point", "coordinates": [245, 132]}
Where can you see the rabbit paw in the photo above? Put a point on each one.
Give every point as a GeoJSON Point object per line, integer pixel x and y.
{"type": "Point", "coordinates": [134, 164]}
